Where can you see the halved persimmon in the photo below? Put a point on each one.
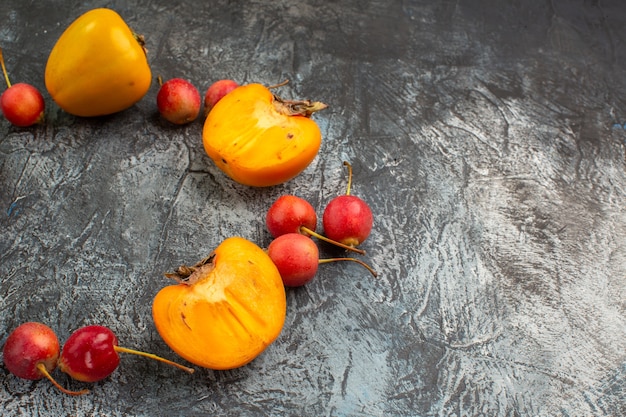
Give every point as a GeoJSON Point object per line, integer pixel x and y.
{"type": "Point", "coordinates": [259, 139]}
{"type": "Point", "coordinates": [226, 309]}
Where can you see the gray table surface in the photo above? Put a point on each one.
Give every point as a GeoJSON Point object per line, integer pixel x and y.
{"type": "Point", "coordinates": [487, 136]}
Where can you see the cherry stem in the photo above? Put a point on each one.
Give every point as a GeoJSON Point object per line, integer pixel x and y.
{"type": "Point", "coordinates": [4, 69]}
{"type": "Point", "coordinates": [369, 268]}
{"type": "Point", "coordinates": [155, 357]}
{"type": "Point", "coordinates": [346, 163]}
{"type": "Point", "coordinates": [278, 85]}
{"type": "Point", "coordinates": [308, 231]}
{"type": "Point", "coordinates": [42, 369]}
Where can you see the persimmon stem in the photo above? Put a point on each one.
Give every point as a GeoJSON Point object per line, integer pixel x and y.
{"type": "Point", "coordinates": [310, 232]}
{"type": "Point", "coordinates": [42, 368]}
{"type": "Point", "coordinates": [155, 357]}
{"type": "Point", "coordinates": [369, 268]}
{"type": "Point", "coordinates": [184, 274]}
{"type": "Point", "coordinates": [4, 69]}
{"type": "Point", "coordinates": [297, 107]}
{"type": "Point", "coordinates": [346, 163]}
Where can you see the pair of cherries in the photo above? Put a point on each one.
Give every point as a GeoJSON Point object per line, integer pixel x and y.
{"type": "Point", "coordinates": [179, 101]}
{"type": "Point", "coordinates": [292, 221]}
{"type": "Point", "coordinates": [91, 353]}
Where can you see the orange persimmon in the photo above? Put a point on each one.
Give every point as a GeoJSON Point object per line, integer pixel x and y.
{"type": "Point", "coordinates": [226, 309]}
{"type": "Point", "coordinates": [98, 66]}
{"type": "Point", "coordinates": [259, 139]}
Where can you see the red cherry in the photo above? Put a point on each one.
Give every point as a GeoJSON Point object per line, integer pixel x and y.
{"type": "Point", "coordinates": [216, 91]}
{"type": "Point", "coordinates": [348, 219]}
{"type": "Point", "coordinates": [22, 104]}
{"type": "Point", "coordinates": [31, 352]}
{"type": "Point", "coordinates": [178, 101]}
{"type": "Point", "coordinates": [297, 259]}
{"type": "Point", "coordinates": [90, 354]}
{"type": "Point", "coordinates": [28, 346]}
{"type": "Point", "coordinates": [292, 214]}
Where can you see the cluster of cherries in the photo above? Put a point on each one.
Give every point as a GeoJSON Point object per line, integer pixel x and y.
{"type": "Point", "coordinates": [292, 221]}
{"type": "Point", "coordinates": [179, 101]}
{"type": "Point", "coordinates": [91, 353]}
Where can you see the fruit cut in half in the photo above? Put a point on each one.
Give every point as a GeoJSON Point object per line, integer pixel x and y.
{"type": "Point", "coordinates": [225, 310]}
{"type": "Point", "coordinates": [259, 139]}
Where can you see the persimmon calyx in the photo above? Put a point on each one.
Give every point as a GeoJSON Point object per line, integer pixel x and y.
{"type": "Point", "coordinates": [189, 275]}
{"type": "Point", "coordinates": [297, 107]}
{"type": "Point", "coordinates": [141, 40]}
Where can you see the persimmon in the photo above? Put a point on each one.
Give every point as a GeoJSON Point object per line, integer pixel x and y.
{"type": "Point", "coordinates": [98, 66]}
{"type": "Point", "coordinates": [225, 310]}
{"type": "Point", "coordinates": [260, 139]}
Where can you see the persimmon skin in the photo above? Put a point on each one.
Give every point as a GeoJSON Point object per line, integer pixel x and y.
{"type": "Point", "coordinates": [97, 66]}
{"type": "Point", "coordinates": [227, 312]}
{"type": "Point", "coordinates": [251, 139]}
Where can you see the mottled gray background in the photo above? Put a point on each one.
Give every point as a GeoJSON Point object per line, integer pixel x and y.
{"type": "Point", "coordinates": [487, 136]}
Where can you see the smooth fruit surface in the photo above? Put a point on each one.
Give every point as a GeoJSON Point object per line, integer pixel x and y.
{"type": "Point", "coordinates": [288, 214]}
{"type": "Point", "coordinates": [258, 139]}
{"type": "Point", "coordinates": [89, 355]}
{"type": "Point", "coordinates": [98, 66]}
{"type": "Point", "coordinates": [30, 344]}
{"type": "Point", "coordinates": [226, 309]}
{"type": "Point", "coordinates": [296, 256]}
{"type": "Point", "coordinates": [347, 219]}
{"type": "Point", "coordinates": [22, 105]}
{"type": "Point", "coordinates": [179, 101]}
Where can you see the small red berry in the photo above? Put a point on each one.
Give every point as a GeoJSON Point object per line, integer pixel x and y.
{"type": "Point", "coordinates": [89, 354]}
{"type": "Point", "coordinates": [348, 219]}
{"type": "Point", "coordinates": [178, 101]}
{"type": "Point", "coordinates": [289, 214]}
{"type": "Point", "coordinates": [216, 91]}
{"type": "Point", "coordinates": [27, 346]}
{"type": "Point", "coordinates": [296, 257]}
{"type": "Point", "coordinates": [22, 104]}
{"type": "Point", "coordinates": [31, 352]}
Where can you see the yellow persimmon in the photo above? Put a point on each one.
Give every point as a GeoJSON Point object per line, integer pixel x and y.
{"type": "Point", "coordinates": [259, 139]}
{"type": "Point", "coordinates": [98, 66]}
{"type": "Point", "coordinates": [225, 310]}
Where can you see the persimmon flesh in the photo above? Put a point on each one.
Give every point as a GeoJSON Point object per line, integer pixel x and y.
{"type": "Point", "coordinates": [225, 310]}
{"type": "Point", "coordinates": [259, 139]}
